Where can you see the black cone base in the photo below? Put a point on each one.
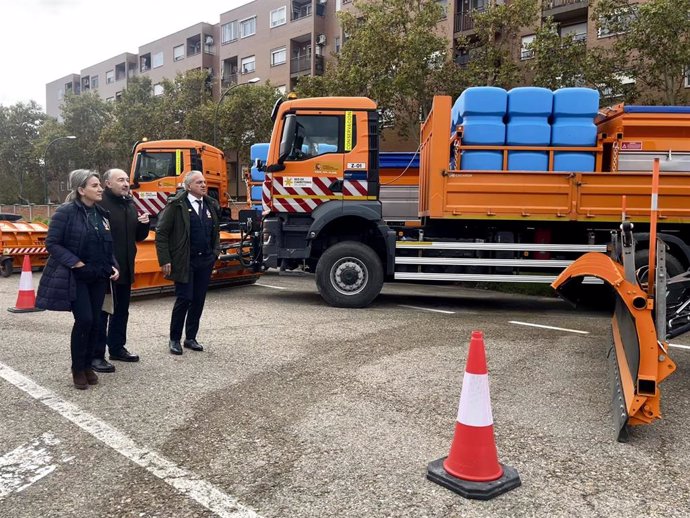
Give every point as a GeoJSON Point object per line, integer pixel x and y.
{"type": "Point", "coordinates": [470, 489]}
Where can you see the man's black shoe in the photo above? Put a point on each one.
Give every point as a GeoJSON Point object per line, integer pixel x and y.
{"type": "Point", "coordinates": [100, 365]}
{"type": "Point", "coordinates": [123, 355]}
{"type": "Point", "coordinates": [193, 345]}
{"type": "Point", "coordinates": [175, 347]}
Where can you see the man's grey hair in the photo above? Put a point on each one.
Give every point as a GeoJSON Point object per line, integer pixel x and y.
{"type": "Point", "coordinates": [188, 179]}
{"type": "Point", "coordinates": [79, 178]}
{"type": "Point", "coordinates": [109, 172]}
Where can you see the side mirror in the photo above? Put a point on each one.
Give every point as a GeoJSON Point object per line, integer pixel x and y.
{"type": "Point", "coordinates": [275, 168]}
{"type": "Point", "coordinates": [288, 139]}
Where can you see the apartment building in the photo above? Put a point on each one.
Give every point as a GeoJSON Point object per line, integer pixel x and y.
{"type": "Point", "coordinates": [193, 48]}
{"type": "Point", "coordinates": [273, 40]}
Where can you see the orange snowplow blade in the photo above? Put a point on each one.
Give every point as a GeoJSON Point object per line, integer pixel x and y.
{"type": "Point", "coordinates": [20, 238]}
{"type": "Point", "coordinates": [638, 361]}
{"type": "Point", "coordinates": [149, 278]}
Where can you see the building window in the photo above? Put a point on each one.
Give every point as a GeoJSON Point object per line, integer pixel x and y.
{"type": "Point", "coordinates": [229, 32]}
{"type": "Point", "coordinates": [109, 77]}
{"type": "Point", "coordinates": [278, 56]}
{"type": "Point", "coordinates": [577, 31]}
{"type": "Point", "coordinates": [337, 44]}
{"type": "Point", "coordinates": [157, 60]}
{"type": "Point", "coordinates": [279, 16]}
{"type": "Point", "coordinates": [94, 82]}
{"type": "Point", "coordinates": [526, 51]}
{"type": "Point", "coordinates": [248, 27]}
{"type": "Point", "coordinates": [248, 65]}
{"type": "Point", "coordinates": [178, 53]}
{"type": "Point", "coordinates": [617, 24]}
{"type": "Point", "coordinates": [158, 89]}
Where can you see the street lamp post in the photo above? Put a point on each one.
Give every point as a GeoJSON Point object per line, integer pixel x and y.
{"type": "Point", "coordinates": [226, 92]}
{"type": "Point", "coordinates": [46, 199]}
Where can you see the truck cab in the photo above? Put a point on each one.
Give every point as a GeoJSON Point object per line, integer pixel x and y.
{"type": "Point", "coordinates": [158, 168]}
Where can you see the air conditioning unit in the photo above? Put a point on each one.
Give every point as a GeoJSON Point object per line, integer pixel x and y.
{"type": "Point", "coordinates": [209, 40]}
{"type": "Point", "coordinates": [321, 39]}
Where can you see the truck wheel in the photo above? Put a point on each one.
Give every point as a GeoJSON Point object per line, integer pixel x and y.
{"type": "Point", "coordinates": [6, 267]}
{"type": "Point", "coordinates": [349, 275]}
{"type": "Point", "coordinates": [673, 265]}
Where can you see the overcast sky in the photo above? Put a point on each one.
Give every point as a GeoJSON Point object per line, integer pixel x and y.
{"type": "Point", "coordinates": [44, 40]}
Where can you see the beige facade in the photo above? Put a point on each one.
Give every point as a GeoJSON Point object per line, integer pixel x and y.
{"type": "Point", "coordinates": [56, 90]}
{"type": "Point", "coordinates": [193, 48]}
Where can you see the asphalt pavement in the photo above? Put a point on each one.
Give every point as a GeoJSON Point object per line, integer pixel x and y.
{"type": "Point", "coordinates": [297, 409]}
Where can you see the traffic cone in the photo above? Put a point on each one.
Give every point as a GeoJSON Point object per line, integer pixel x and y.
{"type": "Point", "coordinates": [26, 298]}
{"type": "Point", "coordinates": [472, 469]}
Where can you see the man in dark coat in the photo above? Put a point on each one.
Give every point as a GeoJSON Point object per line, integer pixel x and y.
{"type": "Point", "coordinates": [188, 244]}
{"type": "Point", "coordinates": [126, 228]}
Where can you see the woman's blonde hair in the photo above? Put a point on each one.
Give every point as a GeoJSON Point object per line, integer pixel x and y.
{"type": "Point", "coordinates": [79, 178]}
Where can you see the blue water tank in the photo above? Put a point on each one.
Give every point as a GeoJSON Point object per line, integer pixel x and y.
{"type": "Point", "coordinates": [574, 110]}
{"type": "Point", "coordinates": [455, 117]}
{"type": "Point", "coordinates": [256, 193]}
{"type": "Point", "coordinates": [259, 151]}
{"type": "Point", "coordinates": [529, 109]}
{"type": "Point", "coordinates": [482, 109]}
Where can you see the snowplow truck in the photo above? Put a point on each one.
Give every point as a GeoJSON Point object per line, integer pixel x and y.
{"type": "Point", "coordinates": [511, 187]}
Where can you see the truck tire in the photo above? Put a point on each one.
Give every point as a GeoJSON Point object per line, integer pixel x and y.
{"type": "Point", "coordinates": [349, 275]}
{"type": "Point", "coordinates": [6, 267]}
{"type": "Point", "coordinates": [673, 265]}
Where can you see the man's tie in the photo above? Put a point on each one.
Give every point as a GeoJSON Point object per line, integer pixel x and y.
{"type": "Point", "coordinates": [198, 210]}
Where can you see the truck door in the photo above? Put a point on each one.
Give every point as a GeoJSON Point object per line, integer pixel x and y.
{"type": "Point", "coordinates": [318, 160]}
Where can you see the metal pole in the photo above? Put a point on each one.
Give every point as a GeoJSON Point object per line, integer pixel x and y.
{"type": "Point", "coordinates": [215, 113]}
{"type": "Point", "coordinates": [46, 200]}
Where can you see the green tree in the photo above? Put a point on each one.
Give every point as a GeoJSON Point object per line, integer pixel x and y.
{"type": "Point", "coordinates": [562, 61]}
{"type": "Point", "coordinates": [184, 108]}
{"type": "Point", "coordinates": [19, 164]}
{"type": "Point", "coordinates": [136, 114]}
{"type": "Point", "coordinates": [244, 118]}
{"type": "Point", "coordinates": [85, 116]}
{"type": "Point", "coordinates": [652, 43]}
{"type": "Point", "coordinates": [393, 54]}
{"type": "Point", "coordinates": [491, 48]}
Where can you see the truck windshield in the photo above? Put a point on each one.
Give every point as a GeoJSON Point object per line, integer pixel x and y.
{"type": "Point", "coordinates": [151, 166]}
{"type": "Point", "coordinates": [316, 135]}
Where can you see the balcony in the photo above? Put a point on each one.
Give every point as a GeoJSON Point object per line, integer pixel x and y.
{"type": "Point", "coordinates": [564, 10]}
{"type": "Point", "coordinates": [464, 20]}
{"type": "Point", "coordinates": [300, 10]}
{"type": "Point", "coordinates": [300, 64]}
{"type": "Point", "coordinates": [229, 80]}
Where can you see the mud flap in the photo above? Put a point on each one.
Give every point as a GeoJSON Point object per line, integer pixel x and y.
{"type": "Point", "coordinates": [638, 361]}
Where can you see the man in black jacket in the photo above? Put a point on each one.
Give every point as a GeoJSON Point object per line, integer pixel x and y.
{"type": "Point", "coordinates": [126, 228]}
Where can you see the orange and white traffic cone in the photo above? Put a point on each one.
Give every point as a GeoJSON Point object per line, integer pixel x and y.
{"type": "Point", "coordinates": [26, 298]}
{"type": "Point", "coordinates": [472, 469]}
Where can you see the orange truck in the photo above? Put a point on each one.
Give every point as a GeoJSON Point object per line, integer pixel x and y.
{"type": "Point", "coordinates": [325, 199]}
{"type": "Point", "coordinates": [327, 209]}
{"type": "Point", "coordinates": [157, 171]}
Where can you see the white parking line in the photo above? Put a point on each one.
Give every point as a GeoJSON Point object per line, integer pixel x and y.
{"type": "Point", "coordinates": [27, 464]}
{"type": "Point", "coordinates": [269, 286]}
{"type": "Point", "coordinates": [180, 478]}
{"type": "Point", "coordinates": [549, 327]}
{"type": "Point", "coordinates": [428, 309]}
{"type": "Point", "coordinates": [679, 346]}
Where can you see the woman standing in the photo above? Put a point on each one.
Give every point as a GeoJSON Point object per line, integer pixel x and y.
{"type": "Point", "coordinates": [81, 262]}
